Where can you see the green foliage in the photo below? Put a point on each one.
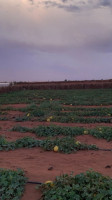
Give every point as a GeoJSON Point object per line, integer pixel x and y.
{"type": "Point", "coordinates": [88, 111]}
{"type": "Point", "coordinates": [53, 130]}
{"type": "Point", "coordinates": [85, 112]}
{"type": "Point", "coordinates": [27, 142]}
{"type": "Point", "coordinates": [63, 119]}
{"type": "Point", "coordinates": [85, 186]}
{"type": "Point", "coordinates": [21, 129]}
{"type": "Point", "coordinates": [46, 103]}
{"type": "Point", "coordinates": [11, 184]}
{"type": "Point", "coordinates": [66, 114]}
{"type": "Point", "coordinates": [3, 118]}
{"type": "Point", "coordinates": [37, 113]}
{"type": "Point", "coordinates": [75, 119]}
{"type": "Point", "coordinates": [44, 109]}
{"type": "Point", "coordinates": [66, 145]}
{"type": "Point", "coordinates": [33, 109]}
{"type": "Point", "coordinates": [67, 97]}
{"type": "Point", "coordinates": [3, 113]}
{"type": "Point", "coordinates": [51, 105]}
{"type": "Point", "coordinates": [29, 108]}
{"type": "Point", "coordinates": [23, 118]}
{"type": "Point", "coordinates": [79, 116]}
{"type": "Point", "coordinates": [102, 132]}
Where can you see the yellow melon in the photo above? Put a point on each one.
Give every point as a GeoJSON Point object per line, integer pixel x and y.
{"type": "Point", "coordinates": [48, 120]}
{"type": "Point", "coordinates": [77, 142]}
{"type": "Point", "coordinates": [56, 148]}
{"type": "Point", "coordinates": [49, 182]}
{"type": "Point", "coordinates": [85, 132]}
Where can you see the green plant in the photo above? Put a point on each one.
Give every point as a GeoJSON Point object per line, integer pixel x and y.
{"type": "Point", "coordinates": [102, 132]}
{"type": "Point", "coordinates": [53, 130]}
{"type": "Point", "coordinates": [3, 118]}
{"type": "Point", "coordinates": [66, 97]}
{"type": "Point", "coordinates": [66, 145]}
{"type": "Point", "coordinates": [23, 118]}
{"type": "Point", "coordinates": [75, 119]}
{"type": "Point", "coordinates": [11, 184]}
{"type": "Point", "coordinates": [27, 142]}
{"type": "Point", "coordinates": [90, 185]}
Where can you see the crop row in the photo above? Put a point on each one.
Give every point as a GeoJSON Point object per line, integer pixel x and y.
{"type": "Point", "coordinates": [89, 185]}
{"type": "Point", "coordinates": [67, 118]}
{"type": "Point", "coordinates": [85, 186]}
{"type": "Point", "coordinates": [66, 144]}
{"type": "Point", "coordinates": [11, 184]}
{"type": "Point", "coordinates": [61, 110]}
{"type": "Point", "coordinates": [57, 117]}
{"type": "Point", "coordinates": [67, 97]}
{"type": "Point", "coordinates": [53, 130]}
{"type": "Point", "coordinates": [57, 109]}
{"type": "Point", "coordinates": [63, 119]}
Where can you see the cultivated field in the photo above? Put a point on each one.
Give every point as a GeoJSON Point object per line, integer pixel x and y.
{"type": "Point", "coordinates": [48, 133]}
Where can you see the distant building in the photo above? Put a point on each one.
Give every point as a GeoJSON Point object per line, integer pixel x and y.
{"type": "Point", "coordinates": [4, 84]}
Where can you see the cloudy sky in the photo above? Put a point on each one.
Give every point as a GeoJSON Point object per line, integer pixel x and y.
{"type": "Point", "coordinates": [51, 40]}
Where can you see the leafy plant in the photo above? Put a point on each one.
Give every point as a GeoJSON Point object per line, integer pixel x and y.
{"type": "Point", "coordinates": [23, 118]}
{"type": "Point", "coordinates": [27, 142]}
{"type": "Point", "coordinates": [90, 185]}
{"type": "Point", "coordinates": [53, 130]}
{"type": "Point", "coordinates": [11, 184]}
{"type": "Point", "coordinates": [102, 132]}
{"type": "Point", "coordinates": [66, 145]}
{"type": "Point", "coordinates": [66, 97]}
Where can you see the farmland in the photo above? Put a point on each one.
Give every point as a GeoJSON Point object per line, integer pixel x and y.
{"type": "Point", "coordinates": [33, 122]}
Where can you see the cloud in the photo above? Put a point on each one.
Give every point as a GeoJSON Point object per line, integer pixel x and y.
{"type": "Point", "coordinates": [105, 3]}
{"type": "Point", "coordinates": [62, 33]}
{"type": "Point", "coordinates": [73, 6]}
{"type": "Point", "coordinates": [64, 1]}
{"type": "Point", "coordinates": [64, 4]}
{"type": "Point", "coordinates": [101, 45]}
{"type": "Point", "coordinates": [31, 1]}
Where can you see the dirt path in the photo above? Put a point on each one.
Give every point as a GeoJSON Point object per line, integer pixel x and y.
{"type": "Point", "coordinates": [35, 162]}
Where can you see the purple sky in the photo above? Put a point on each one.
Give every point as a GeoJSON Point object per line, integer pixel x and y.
{"type": "Point", "coordinates": [53, 40]}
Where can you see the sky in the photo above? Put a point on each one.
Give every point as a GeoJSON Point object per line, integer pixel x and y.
{"type": "Point", "coordinates": [54, 40]}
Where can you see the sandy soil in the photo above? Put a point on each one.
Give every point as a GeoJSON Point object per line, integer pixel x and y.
{"type": "Point", "coordinates": [15, 105]}
{"type": "Point", "coordinates": [36, 162]}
